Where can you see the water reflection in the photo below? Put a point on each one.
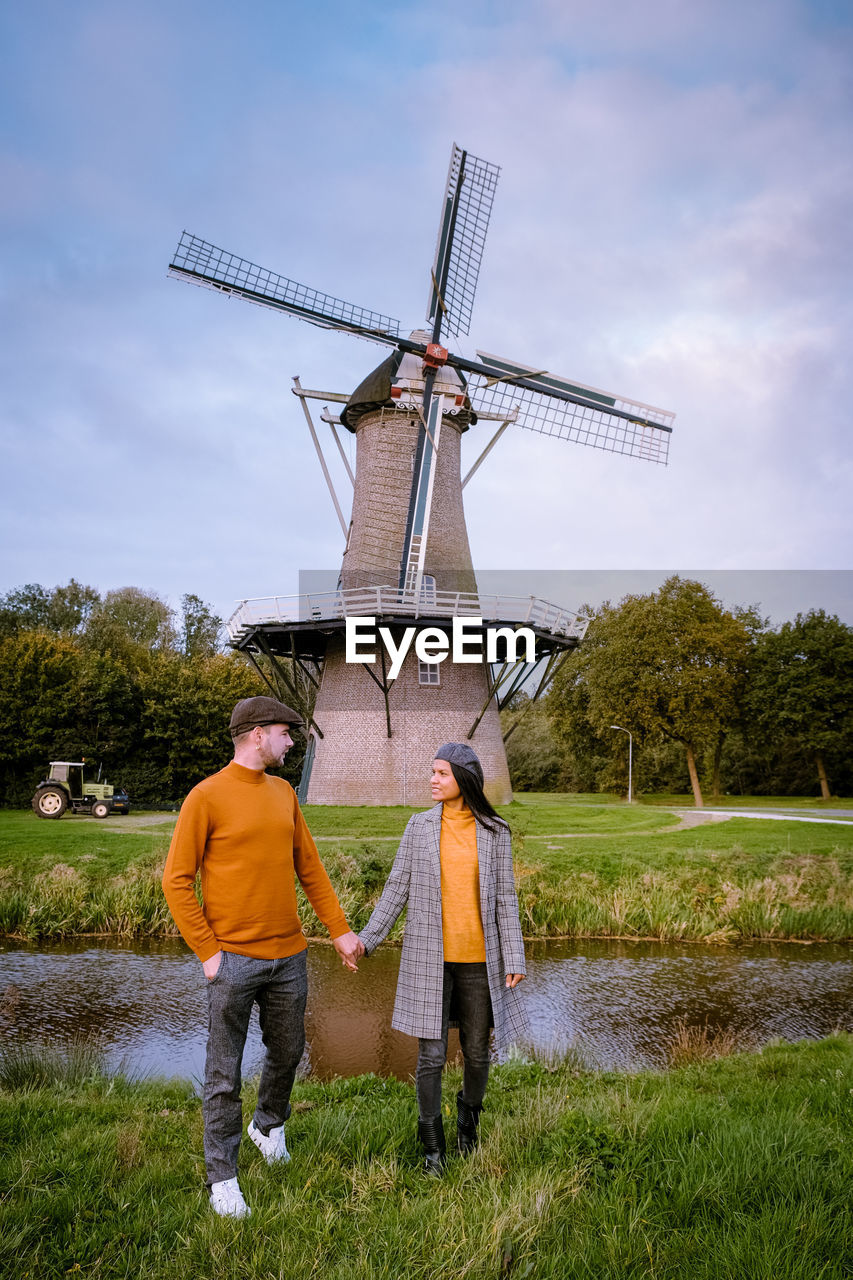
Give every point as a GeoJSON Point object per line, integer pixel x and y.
{"type": "Point", "coordinates": [617, 1002]}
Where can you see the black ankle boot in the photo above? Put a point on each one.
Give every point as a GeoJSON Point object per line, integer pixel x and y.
{"type": "Point", "coordinates": [467, 1120]}
{"type": "Point", "coordinates": [431, 1135]}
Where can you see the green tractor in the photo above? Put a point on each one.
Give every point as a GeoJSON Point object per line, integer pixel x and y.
{"type": "Point", "coordinates": [66, 786]}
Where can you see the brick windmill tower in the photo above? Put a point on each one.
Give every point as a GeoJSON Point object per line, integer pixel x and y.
{"type": "Point", "coordinates": [407, 562]}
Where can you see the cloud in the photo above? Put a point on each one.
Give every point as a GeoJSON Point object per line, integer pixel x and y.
{"type": "Point", "coordinates": [672, 223]}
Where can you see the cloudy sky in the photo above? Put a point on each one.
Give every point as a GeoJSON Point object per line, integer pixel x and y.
{"type": "Point", "coordinates": [672, 223]}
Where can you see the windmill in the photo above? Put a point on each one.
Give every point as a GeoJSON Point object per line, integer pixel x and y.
{"type": "Point", "coordinates": [407, 558]}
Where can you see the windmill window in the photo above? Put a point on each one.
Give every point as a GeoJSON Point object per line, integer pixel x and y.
{"type": "Point", "coordinates": [428, 673]}
{"type": "Point", "coordinates": [427, 589]}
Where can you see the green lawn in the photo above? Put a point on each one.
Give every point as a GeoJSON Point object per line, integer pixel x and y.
{"type": "Point", "coordinates": [584, 869]}
{"type": "Point", "coordinates": [734, 1169]}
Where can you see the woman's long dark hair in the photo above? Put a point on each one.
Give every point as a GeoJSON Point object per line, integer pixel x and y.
{"type": "Point", "coordinates": [475, 798]}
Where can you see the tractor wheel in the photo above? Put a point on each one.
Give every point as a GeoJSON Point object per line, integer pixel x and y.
{"type": "Point", "coordinates": [50, 802]}
{"type": "Point", "coordinates": [100, 809]}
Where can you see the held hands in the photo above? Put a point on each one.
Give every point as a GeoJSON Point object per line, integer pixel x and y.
{"type": "Point", "coordinates": [350, 948]}
{"type": "Point", "coordinates": [513, 979]}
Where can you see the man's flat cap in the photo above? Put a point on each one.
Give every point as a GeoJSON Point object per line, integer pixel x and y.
{"type": "Point", "coordinates": [252, 711]}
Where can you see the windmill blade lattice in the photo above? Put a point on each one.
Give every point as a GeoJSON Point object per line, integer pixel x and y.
{"type": "Point", "coordinates": [554, 406]}
{"type": "Point", "coordinates": [467, 208]}
{"type": "Point", "coordinates": [204, 264]}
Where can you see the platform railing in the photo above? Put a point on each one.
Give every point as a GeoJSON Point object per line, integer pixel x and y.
{"type": "Point", "coordinates": [330, 606]}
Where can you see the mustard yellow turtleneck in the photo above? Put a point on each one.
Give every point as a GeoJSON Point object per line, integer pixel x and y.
{"type": "Point", "coordinates": [245, 832]}
{"type": "Point", "coordinates": [461, 925]}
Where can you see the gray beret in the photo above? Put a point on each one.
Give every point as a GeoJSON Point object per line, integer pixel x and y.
{"type": "Point", "coordinates": [252, 711]}
{"type": "Point", "coordinates": [460, 754]}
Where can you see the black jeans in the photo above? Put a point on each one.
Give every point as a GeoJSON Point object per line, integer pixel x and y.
{"type": "Point", "coordinates": [467, 986]}
{"type": "Point", "coordinates": [280, 988]}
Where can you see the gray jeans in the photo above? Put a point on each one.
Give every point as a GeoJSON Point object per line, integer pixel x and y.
{"type": "Point", "coordinates": [280, 988]}
{"type": "Point", "coordinates": [467, 986]}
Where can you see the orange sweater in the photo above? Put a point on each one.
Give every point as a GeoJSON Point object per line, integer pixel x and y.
{"type": "Point", "coordinates": [461, 925]}
{"type": "Point", "coordinates": [246, 834]}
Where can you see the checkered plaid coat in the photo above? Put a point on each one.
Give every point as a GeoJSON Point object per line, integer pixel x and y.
{"type": "Point", "coordinates": [415, 881]}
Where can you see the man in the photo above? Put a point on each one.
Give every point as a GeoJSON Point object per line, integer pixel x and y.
{"type": "Point", "coordinates": [244, 831]}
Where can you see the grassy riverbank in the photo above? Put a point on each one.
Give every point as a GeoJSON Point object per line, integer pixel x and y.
{"type": "Point", "coordinates": [734, 1169]}
{"type": "Point", "coordinates": [584, 869]}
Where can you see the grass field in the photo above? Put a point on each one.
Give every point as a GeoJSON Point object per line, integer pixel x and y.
{"type": "Point", "coordinates": [586, 867]}
{"type": "Point", "coordinates": [734, 1169]}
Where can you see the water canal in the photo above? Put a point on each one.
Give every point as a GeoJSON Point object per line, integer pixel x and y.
{"type": "Point", "coordinates": [618, 1003]}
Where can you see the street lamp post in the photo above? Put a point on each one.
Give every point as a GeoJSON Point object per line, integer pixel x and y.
{"type": "Point", "coordinates": [630, 753]}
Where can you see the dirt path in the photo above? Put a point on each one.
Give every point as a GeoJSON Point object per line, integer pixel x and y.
{"type": "Point", "coordinates": [687, 818]}
{"type": "Point", "coordinates": [135, 823]}
{"type": "Point", "coordinates": [122, 823]}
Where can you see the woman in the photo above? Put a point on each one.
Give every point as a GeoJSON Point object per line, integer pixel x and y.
{"type": "Point", "coordinates": [463, 954]}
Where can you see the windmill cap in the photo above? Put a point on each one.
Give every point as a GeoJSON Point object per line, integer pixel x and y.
{"type": "Point", "coordinates": [460, 754]}
{"type": "Point", "coordinates": [250, 712]}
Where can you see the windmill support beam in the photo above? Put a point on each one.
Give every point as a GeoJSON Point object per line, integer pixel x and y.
{"type": "Point", "coordinates": [554, 664]}
{"type": "Point", "coordinates": [272, 688]}
{"type": "Point", "coordinates": [495, 438]}
{"type": "Point", "coordinates": [293, 691]}
{"type": "Point", "coordinates": [337, 397]}
{"type": "Point", "coordinates": [320, 455]}
{"type": "Point", "coordinates": [518, 679]}
{"type": "Point", "coordinates": [287, 683]}
{"type": "Point", "coordinates": [383, 685]}
{"type": "Point", "coordinates": [297, 661]}
{"type": "Point", "coordinates": [504, 673]}
{"type": "Point", "coordinates": [282, 681]}
{"type": "Point", "coordinates": [341, 451]}
{"type": "Point", "coordinates": [492, 686]}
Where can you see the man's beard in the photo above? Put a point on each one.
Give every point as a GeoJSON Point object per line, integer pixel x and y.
{"type": "Point", "coordinates": [270, 759]}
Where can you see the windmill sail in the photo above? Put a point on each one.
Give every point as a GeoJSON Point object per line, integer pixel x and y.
{"type": "Point", "coordinates": [554, 406]}
{"type": "Point", "coordinates": [466, 211]}
{"type": "Point", "coordinates": [204, 264]}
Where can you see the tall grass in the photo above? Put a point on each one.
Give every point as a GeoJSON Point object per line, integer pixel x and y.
{"type": "Point", "coordinates": [666, 907]}
{"type": "Point", "coordinates": [32, 1066]}
{"type": "Point", "coordinates": [689, 1043]}
{"type": "Point", "coordinates": [63, 901]}
{"type": "Point", "coordinates": [736, 1168]}
{"type": "Point", "coordinates": [614, 877]}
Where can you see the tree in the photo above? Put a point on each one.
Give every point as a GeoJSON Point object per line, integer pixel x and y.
{"type": "Point", "coordinates": [32, 607]}
{"type": "Point", "coordinates": [104, 679]}
{"type": "Point", "coordinates": [128, 618]}
{"type": "Point", "coordinates": [70, 607]}
{"type": "Point", "coordinates": [109, 705]}
{"type": "Point", "coordinates": [38, 707]}
{"type": "Point", "coordinates": [801, 688]}
{"type": "Point", "coordinates": [668, 666]}
{"type": "Point", "coordinates": [186, 709]}
{"type": "Point", "coordinates": [531, 749]}
{"type": "Point", "coordinates": [24, 609]}
{"type": "Point", "coordinates": [201, 629]}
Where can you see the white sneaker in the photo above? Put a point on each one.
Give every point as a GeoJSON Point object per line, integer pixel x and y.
{"type": "Point", "coordinates": [226, 1199]}
{"type": "Point", "coordinates": [271, 1145]}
